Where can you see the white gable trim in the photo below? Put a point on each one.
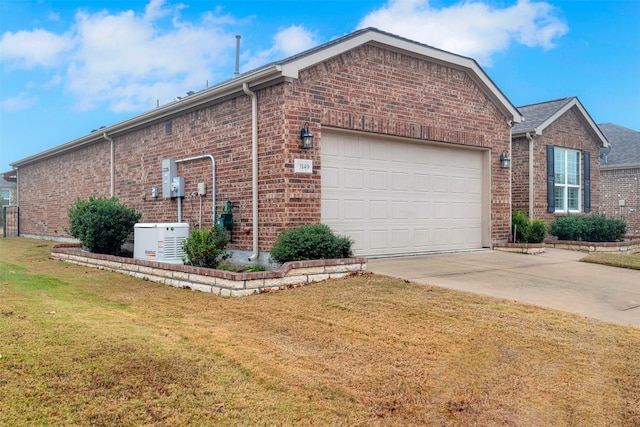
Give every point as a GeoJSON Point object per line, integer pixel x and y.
{"type": "Point", "coordinates": [290, 68]}
{"type": "Point", "coordinates": [574, 102]}
{"type": "Point", "coordinates": [409, 47]}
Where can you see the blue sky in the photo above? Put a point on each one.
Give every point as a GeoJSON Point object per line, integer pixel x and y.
{"type": "Point", "coordinates": [68, 67]}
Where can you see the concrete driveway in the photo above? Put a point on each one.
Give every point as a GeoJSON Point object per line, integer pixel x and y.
{"type": "Point", "coordinates": [554, 279]}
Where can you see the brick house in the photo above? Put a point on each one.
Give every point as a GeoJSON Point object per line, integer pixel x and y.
{"type": "Point", "coordinates": [620, 176]}
{"type": "Point", "coordinates": [405, 155]}
{"type": "Point", "coordinates": [7, 189]}
{"type": "Point", "coordinates": [555, 160]}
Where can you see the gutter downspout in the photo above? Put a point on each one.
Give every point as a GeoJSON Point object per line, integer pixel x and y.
{"type": "Point", "coordinates": [15, 168]}
{"type": "Point", "coordinates": [531, 186]}
{"type": "Point", "coordinates": [113, 164]}
{"type": "Point", "coordinates": [254, 164]}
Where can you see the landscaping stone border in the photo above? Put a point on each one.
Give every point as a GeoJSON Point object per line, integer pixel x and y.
{"type": "Point", "coordinates": [219, 282]}
{"type": "Point", "coordinates": [625, 247]}
{"type": "Point", "coordinates": [521, 248]}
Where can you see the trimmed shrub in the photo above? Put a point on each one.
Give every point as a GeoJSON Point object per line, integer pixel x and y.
{"type": "Point", "coordinates": [205, 247]}
{"type": "Point", "coordinates": [308, 242]}
{"type": "Point", "coordinates": [101, 224]}
{"type": "Point", "coordinates": [537, 231]}
{"type": "Point", "coordinates": [589, 228]}
{"type": "Point", "coordinates": [528, 231]}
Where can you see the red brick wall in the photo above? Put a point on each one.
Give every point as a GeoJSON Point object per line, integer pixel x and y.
{"type": "Point", "coordinates": [568, 131]}
{"type": "Point", "coordinates": [47, 189]}
{"type": "Point", "coordinates": [375, 90]}
{"type": "Point", "coordinates": [368, 89]}
{"type": "Point", "coordinates": [622, 184]}
{"type": "Point", "coordinates": [520, 174]}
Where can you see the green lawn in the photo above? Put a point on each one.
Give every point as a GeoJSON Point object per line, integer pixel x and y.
{"type": "Point", "coordinates": [83, 347]}
{"type": "Point", "coordinates": [615, 260]}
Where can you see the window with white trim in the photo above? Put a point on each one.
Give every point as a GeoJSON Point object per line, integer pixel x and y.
{"type": "Point", "coordinates": [567, 180]}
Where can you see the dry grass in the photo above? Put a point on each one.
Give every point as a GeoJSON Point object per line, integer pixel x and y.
{"type": "Point", "coordinates": [87, 347]}
{"type": "Point", "coordinates": [614, 260]}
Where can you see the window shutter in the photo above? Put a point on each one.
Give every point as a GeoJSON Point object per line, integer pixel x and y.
{"type": "Point", "coordinates": [587, 181]}
{"type": "Point", "coordinates": [551, 181]}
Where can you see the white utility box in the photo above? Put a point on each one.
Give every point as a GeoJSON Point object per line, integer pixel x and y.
{"type": "Point", "coordinates": [160, 241]}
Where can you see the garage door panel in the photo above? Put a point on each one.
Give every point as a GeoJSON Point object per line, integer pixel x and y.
{"type": "Point", "coordinates": [378, 180]}
{"type": "Point", "coordinates": [353, 178]}
{"type": "Point", "coordinates": [400, 239]}
{"type": "Point", "coordinates": [378, 239]}
{"type": "Point", "coordinates": [331, 209]}
{"type": "Point", "coordinates": [401, 198]}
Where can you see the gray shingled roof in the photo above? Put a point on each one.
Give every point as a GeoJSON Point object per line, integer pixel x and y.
{"type": "Point", "coordinates": [536, 115]}
{"type": "Point", "coordinates": [625, 145]}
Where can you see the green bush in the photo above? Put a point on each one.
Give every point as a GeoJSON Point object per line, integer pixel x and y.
{"type": "Point", "coordinates": [537, 231]}
{"type": "Point", "coordinates": [528, 231]}
{"type": "Point", "coordinates": [589, 228]}
{"type": "Point", "coordinates": [101, 224]}
{"type": "Point", "coordinates": [310, 241]}
{"type": "Point", "coordinates": [205, 247]}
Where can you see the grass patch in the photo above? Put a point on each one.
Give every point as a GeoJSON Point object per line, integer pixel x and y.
{"type": "Point", "coordinates": [615, 260]}
{"type": "Point", "coordinates": [81, 347]}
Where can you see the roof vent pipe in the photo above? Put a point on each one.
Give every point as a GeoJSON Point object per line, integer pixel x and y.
{"type": "Point", "coordinates": [237, 71]}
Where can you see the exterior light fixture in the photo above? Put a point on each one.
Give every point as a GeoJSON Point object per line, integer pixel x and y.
{"type": "Point", "coordinates": [306, 137]}
{"type": "Point", "coordinates": [505, 161]}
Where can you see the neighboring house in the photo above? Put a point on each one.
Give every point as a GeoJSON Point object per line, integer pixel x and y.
{"type": "Point", "coordinates": [555, 162]}
{"type": "Point", "coordinates": [7, 189]}
{"type": "Point", "coordinates": [620, 176]}
{"type": "Point", "coordinates": [405, 155]}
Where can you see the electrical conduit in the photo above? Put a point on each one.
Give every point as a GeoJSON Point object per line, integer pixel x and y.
{"type": "Point", "coordinates": [213, 187]}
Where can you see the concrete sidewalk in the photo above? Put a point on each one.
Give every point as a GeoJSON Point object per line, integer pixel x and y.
{"type": "Point", "coordinates": [553, 279]}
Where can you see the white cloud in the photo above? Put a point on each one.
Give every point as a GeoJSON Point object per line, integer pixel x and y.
{"type": "Point", "coordinates": [471, 28]}
{"type": "Point", "coordinates": [37, 48]}
{"type": "Point", "coordinates": [118, 58]}
{"type": "Point", "coordinates": [288, 41]}
{"type": "Point", "coordinates": [18, 103]}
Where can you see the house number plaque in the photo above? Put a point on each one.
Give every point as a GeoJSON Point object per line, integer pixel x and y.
{"type": "Point", "coordinates": [302, 166]}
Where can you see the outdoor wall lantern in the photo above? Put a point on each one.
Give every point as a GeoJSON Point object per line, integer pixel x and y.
{"type": "Point", "coordinates": [306, 137]}
{"type": "Point", "coordinates": [505, 161]}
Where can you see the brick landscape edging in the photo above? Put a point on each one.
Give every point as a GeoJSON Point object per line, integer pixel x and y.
{"type": "Point", "coordinates": [522, 248]}
{"type": "Point", "coordinates": [625, 247]}
{"type": "Point", "coordinates": [219, 282]}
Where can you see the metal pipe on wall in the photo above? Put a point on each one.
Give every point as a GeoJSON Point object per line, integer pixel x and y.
{"type": "Point", "coordinates": [213, 185]}
{"type": "Point", "coordinates": [113, 164]}
{"type": "Point", "coordinates": [531, 172]}
{"type": "Point", "coordinates": [254, 163]}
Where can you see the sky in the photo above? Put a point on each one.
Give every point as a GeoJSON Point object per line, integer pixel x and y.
{"type": "Point", "coordinates": [68, 67]}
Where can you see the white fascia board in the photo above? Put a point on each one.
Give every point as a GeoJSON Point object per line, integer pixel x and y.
{"type": "Point", "coordinates": [292, 68]}
{"type": "Point", "coordinates": [620, 167]}
{"type": "Point", "coordinates": [585, 116]}
{"type": "Point", "coordinates": [220, 91]}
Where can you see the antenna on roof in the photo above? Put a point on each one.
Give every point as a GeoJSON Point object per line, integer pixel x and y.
{"type": "Point", "coordinates": [237, 71]}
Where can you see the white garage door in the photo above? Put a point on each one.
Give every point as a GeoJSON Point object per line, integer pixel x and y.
{"type": "Point", "coordinates": [396, 197]}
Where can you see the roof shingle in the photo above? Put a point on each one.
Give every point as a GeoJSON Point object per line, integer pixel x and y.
{"type": "Point", "coordinates": [625, 145]}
